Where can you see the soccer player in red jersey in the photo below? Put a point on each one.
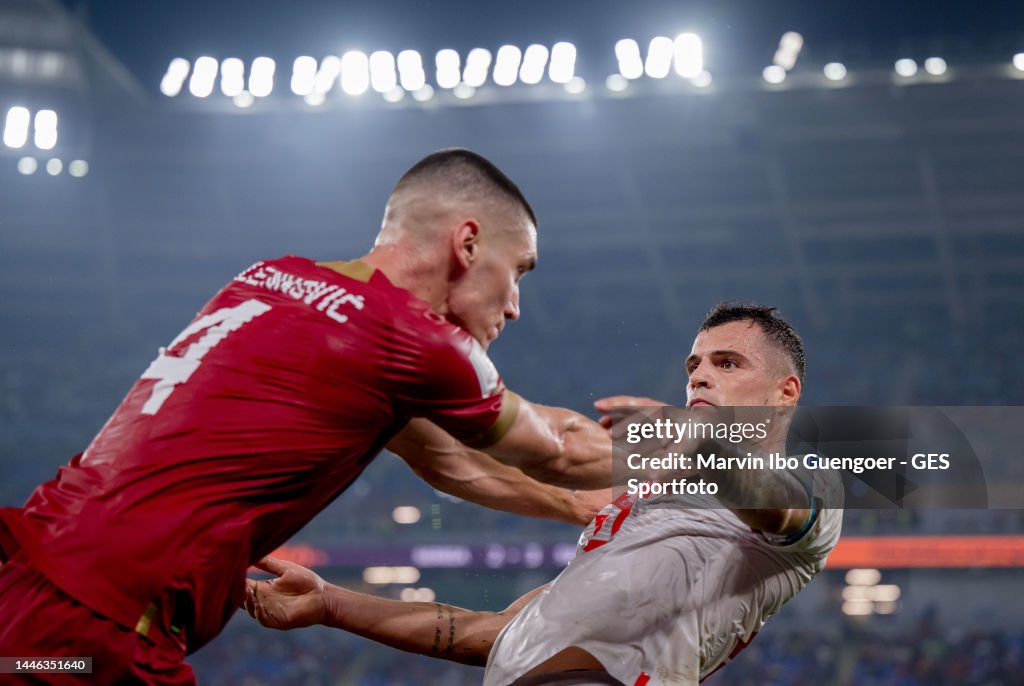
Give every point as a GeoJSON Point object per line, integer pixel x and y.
{"type": "Point", "coordinates": [268, 405]}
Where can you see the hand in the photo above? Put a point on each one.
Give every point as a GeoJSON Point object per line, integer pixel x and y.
{"type": "Point", "coordinates": [586, 504]}
{"type": "Point", "coordinates": [294, 599]}
{"type": "Point", "coordinates": [617, 407]}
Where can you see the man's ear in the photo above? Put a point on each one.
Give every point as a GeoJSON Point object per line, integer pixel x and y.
{"type": "Point", "coordinates": [789, 390]}
{"type": "Point", "coordinates": [466, 243]}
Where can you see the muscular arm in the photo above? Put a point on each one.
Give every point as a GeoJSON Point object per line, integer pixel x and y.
{"type": "Point", "coordinates": [556, 446]}
{"type": "Point", "coordinates": [452, 467]}
{"type": "Point", "coordinates": [298, 597]}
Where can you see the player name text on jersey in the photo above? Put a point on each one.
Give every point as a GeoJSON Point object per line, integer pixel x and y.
{"type": "Point", "coordinates": [329, 298]}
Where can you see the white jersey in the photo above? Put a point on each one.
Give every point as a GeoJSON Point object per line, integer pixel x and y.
{"type": "Point", "coordinates": [667, 590]}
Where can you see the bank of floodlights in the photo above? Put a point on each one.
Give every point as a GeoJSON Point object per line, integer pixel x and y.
{"type": "Point", "coordinates": [683, 55]}
{"type": "Point", "coordinates": [393, 77]}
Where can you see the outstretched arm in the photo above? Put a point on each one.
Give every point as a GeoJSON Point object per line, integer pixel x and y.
{"type": "Point", "coordinates": [556, 446]}
{"type": "Point", "coordinates": [298, 598]}
{"type": "Point", "coordinates": [450, 466]}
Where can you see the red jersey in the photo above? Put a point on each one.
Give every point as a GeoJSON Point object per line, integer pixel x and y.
{"type": "Point", "coordinates": [265, 408]}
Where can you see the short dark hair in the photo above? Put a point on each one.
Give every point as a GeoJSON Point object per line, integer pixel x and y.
{"type": "Point", "coordinates": [775, 328]}
{"type": "Point", "coordinates": [466, 168]}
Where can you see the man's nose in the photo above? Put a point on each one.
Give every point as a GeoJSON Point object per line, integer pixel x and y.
{"type": "Point", "coordinates": [512, 308]}
{"type": "Point", "coordinates": [700, 377]}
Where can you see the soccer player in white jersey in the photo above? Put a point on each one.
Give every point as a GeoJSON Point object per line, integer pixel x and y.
{"type": "Point", "coordinates": [663, 590]}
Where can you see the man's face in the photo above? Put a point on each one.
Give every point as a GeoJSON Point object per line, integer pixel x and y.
{"type": "Point", "coordinates": [487, 295]}
{"type": "Point", "coordinates": [734, 365]}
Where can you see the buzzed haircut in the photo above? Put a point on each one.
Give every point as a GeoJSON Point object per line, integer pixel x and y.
{"type": "Point", "coordinates": [775, 328]}
{"type": "Point", "coordinates": [466, 170]}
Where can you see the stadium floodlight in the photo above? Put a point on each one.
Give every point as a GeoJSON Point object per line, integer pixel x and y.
{"type": "Point", "coordinates": [327, 74]}
{"type": "Point", "coordinates": [906, 67]}
{"type": "Point", "coordinates": [174, 78]}
{"type": "Point", "coordinates": [835, 71]}
{"type": "Point", "coordinates": [1018, 61]}
{"type": "Point", "coordinates": [16, 127]}
{"type": "Point", "coordinates": [45, 129]}
{"type": "Point", "coordinates": [506, 65]}
{"type": "Point", "coordinates": [774, 74]}
{"type": "Point", "coordinates": [857, 592]}
{"type": "Point", "coordinates": [659, 57]}
{"type": "Point", "coordinates": [856, 608]}
{"type": "Point", "coordinates": [688, 55]}
{"type": "Point", "coordinates": [54, 167]}
{"type": "Point", "coordinates": [232, 76]}
{"type": "Point", "coordinates": [421, 595]}
{"type": "Point", "coordinates": [410, 70]}
{"type": "Point", "coordinates": [315, 99]}
{"type": "Point", "coordinates": [396, 94]}
{"type": "Point", "coordinates": [28, 165]}
{"type": "Point", "coordinates": [575, 86]}
{"type": "Point", "coordinates": [463, 91]}
{"type": "Point", "coordinates": [391, 575]}
{"type": "Point", "coordinates": [406, 514]}
{"type": "Point", "coordinates": [789, 49]}
{"type": "Point", "coordinates": [885, 593]}
{"type": "Point", "coordinates": [204, 74]}
{"type": "Point", "coordinates": [355, 72]}
{"type": "Point", "coordinates": [863, 577]}
{"type": "Point", "coordinates": [702, 80]}
{"type": "Point", "coordinates": [563, 62]}
{"type": "Point", "coordinates": [243, 100]}
{"type": "Point", "coordinates": [936, 66]}
{"type": "Point", "coordinates": [261, 77]}
{"type": "Point", "coordinates": [616, 83]}
{"type": "Point", "coordinates": [78, 168]}
{"type": "Point", "coordinates": [478, 62]}
{"type": "Point", "coordinates": [627, 52]}
{"type": "Point", "coordinates": [534, 60]}
{"type": "Point", "coordinates": [383, 76]}
{"type": "Point", "coordinates": [423, 93]}
{"type": "Point", "coordinates": [447, 63]}
{"type": "Point", "coordinates": [303, 75]}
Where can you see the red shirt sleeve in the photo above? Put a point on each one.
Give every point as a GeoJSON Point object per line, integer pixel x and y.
{"type": "Point", "coordinates": [453, 383]}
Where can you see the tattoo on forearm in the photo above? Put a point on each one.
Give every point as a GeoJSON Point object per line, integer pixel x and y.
{"type": "Point", "coordinates": [451, 630]}
{"type": "Point", "coordinates": [436, 648]}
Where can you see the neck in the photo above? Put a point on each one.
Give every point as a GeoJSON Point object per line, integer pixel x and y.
{"type": "Point", "coordinates": [421, 272]}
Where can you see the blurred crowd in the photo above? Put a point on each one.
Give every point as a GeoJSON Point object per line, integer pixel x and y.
{"type": "Point", "coordinates": [858, 655]}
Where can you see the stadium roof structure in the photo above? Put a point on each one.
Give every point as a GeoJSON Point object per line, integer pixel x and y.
{"type": "Point", "coordinates": [43, 47]}
{"type": "Point", "coordinates": [881, 199]}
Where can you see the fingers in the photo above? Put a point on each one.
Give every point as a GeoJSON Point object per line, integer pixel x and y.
{"type": "Point", "coordinates": [272, 565]}
{"type": "Point", "coordinates": [619, 401]}
{"type": "Point", "coordinates": [250, 598]}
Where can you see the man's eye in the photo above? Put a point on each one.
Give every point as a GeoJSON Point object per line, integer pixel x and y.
{"type": "Point", "coordinates": [729, 364]}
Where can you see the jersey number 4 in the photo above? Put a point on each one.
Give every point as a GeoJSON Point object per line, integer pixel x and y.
{"type": "Point", "coordinates": [171, 370]}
